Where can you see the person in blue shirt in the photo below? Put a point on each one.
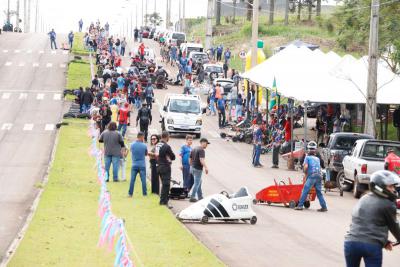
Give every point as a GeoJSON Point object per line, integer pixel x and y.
{"type": "Point", "coordinates": [257, 142]}
{"type": "Point", "coordinates": [53, 36]}
{"type": "Point", "coordinates": [221, 112]}
{"type": "Point", "coordinates": [70, 39]}
{"type": "Point", "coordinates": [312, 169]}
{"type": "Point", "coordinates": [220, 49]}
{"type": "Point", "coordinates": [227, 56]}
{"type": "Point", "coordinates": [185, 156]}
{"type": "Point", "coordinates": [139, 153]}
{"type": "Point", "coordinates": [121, 81]}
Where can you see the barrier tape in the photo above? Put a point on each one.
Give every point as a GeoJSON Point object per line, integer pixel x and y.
{"type": "Point", "coordinates": [113, 233]}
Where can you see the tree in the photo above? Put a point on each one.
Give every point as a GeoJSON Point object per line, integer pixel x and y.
{"type": "Point", "coordinates": [249, 10]}
{"type": "Point", "coordinates": [318, 11]}
{"type": "Point", "coordinates": [234, 11]}
{"type": "Point", "coordinates": [218, 12]}
{"type": "Point", "coordinates": [154, 19]}
{"type": "Point", "coordinates": [271, 11]}
{"type": "Point", "coordinates": [352, 23]}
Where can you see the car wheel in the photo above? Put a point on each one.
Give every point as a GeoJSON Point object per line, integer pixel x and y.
{"type": "Point", "coordinates": [204, 219]}
{"type": "Point", "coordinates": [341, 182]}
{"type": "Point", "coordinates": [356, 188]}
{"type": "Point", "coordinates": [253, 220]}
{"type": "Point", "coordinates": [292, 204]}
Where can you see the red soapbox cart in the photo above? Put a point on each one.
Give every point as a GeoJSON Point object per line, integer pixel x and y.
{"type": "Point", "coordinates": [286, 194]}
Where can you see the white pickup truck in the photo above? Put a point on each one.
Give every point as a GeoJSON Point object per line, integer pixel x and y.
{"type": "Point", "coordinates": [366, 157]}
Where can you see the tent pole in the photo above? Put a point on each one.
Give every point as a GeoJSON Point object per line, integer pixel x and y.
{"type": "Point", "coordinates": [248, 100]}
{"type": "Point", "coordinates": [305, 125]}
{"type": "Point", "coordinates": [291, 160]}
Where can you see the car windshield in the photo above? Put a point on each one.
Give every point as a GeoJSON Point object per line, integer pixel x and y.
{"type": "Point", "coordinates": [178, 36]}
{"type": "Point", "coordinates": [184, 106]}
{"type": "Point", "coordinates": [217, 69]}
{"type": "Point", "coordinates": [346, 142]}
{"type": "Point", "coordinates": [379, 151]}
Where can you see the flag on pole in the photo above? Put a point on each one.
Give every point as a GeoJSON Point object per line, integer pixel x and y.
{"type": "Point", "coordinates": [274, 96]}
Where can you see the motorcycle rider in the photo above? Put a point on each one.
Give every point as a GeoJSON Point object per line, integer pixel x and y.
{"type": "Point", "coordinates": [372, 218]}
{"type": "Point", "coordinates": [145, 118]}
{"type": "Point", "coordinates": [312, 169]}
{"type": "Point", "coordinates": [161, 76]}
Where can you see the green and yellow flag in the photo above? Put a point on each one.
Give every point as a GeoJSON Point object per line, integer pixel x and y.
{"type": "Point", "coordinates": [274, 96]}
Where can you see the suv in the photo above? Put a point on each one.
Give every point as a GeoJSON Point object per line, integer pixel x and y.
{"type": "Point", "coordinates": [366, 157]}
{"type": "Point", "coordinates": [182, 114]}
{"type": "Point", "coordinates": [338, 146]}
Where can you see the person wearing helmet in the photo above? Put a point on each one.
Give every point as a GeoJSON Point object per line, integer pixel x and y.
{"type": "Point", "coordinates": [312, 169]}
{"type": "Point", "coordinates": [372, 218]}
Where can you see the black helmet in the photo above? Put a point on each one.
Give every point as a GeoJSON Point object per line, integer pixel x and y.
{"type": "Point", "coordinates": [378, 182]}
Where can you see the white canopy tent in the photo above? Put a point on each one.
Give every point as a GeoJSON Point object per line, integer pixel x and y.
{"type": "Point", "coordinates": [314, 76]}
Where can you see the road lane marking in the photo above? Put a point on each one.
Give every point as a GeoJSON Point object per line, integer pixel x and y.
{"type": "Point", "coordinates": [35, 65]}
{"type": "Point", "coordinates": [41, 52]}
{"type": "Point", "coordinates": [29, 51]}
{"type": "Point", "coordinates": [6, 126]}
{"type": "Point", "coordinates": [213, 134]}
{"type": "Point", "coordinates": [22, 64]}
{"type": "Point", "coordinates": [40, 96]}
{"type": "Point", "coordinates": [63, 65]}
{"type": "Point", "coordinates": [28, 127]}
{"type": "Point", "coordinates": [49, 65]}
{"type": "Point", "coordinates": [23, 96]}
{"type": "Point", "coordinates": [57, 97]}
{"type": "Point", "coordinates": [17, 51]}
{"type": "Point", "coordinates": [5, 51]}
{"type": "Point", "coordinates": [8, 63]}
{"type": "Point", "coordinates": [53, 52]}
{"type": "Point", "coordinates": [6, 96]}
{"type": "Point", "coordinates": [49, 127]}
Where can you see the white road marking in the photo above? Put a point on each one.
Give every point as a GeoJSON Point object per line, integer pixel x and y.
{"type": "Point", "coordinates": [28, 127]}
{"type": "Point", "coordinates": [40, 96]}
{"type": "Point", "coordinates": [22, 64]}
{"type": "Point", "coordinates": [6, 126]}
{"type": "Point", "coordinates": [63, 65]}
{"type": "Point", "coordinates": [29, 51]}
{"type": "Point", "coordinates": [57, 97]}
{"type": "Point", "coordinates": [53, 52]}
{"type": "Point", "coordinates": [49, 65]}
{"type": "Point", "coordinates": [8, 63]}
{"type": "Point", "coordinates": [23, 96]}
{"type": "Point", "coordinates": [65, 52]}
{"type": "Point", "coordinates": [35, 65]}
{"type": "Point", "coordinates": [17, 51]}
{"type": "Point", "coordinates": [5, 51]}
{"type": "Point", "coordinates": [41, 52]}
{"type": "Point", "coordinates": [49, 127]}
{"type": "Point", "coordinates": [6, 95]}
{"type": "Point", "coordinates": [213, 134]}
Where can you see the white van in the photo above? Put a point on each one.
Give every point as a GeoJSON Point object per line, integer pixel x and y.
{"type": "Point", "coordinates": [182, 114]}
{"type": "Point", "coordinates": [190, 47]}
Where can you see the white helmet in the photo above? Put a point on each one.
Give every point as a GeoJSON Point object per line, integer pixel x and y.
{"type": "Point", "coordinates": [312, 145]}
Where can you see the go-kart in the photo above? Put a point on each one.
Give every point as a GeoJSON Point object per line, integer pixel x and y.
{"type": "Point", "coordinates": [221, 207]}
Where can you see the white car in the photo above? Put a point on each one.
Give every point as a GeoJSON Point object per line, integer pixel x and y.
{"type": "Point", "coordinates": [367, 157]}
{"type": "Point", "coordinates": [148, 53]}
{"type": "Point", "coordinates": [182, 114]}
{"type": "Point", "coordinates": [186, 48]}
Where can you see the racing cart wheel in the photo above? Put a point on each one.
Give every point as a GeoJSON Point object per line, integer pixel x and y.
{"type": "Point", "coordinates": [225, 193]}
{"type": "Point", "coordinates": [292, 204]}
{"type": "Point", "coordinates": [223, 135]}
{"type": "Point", "coordinates": [235, 139]}
{"type": "Point", "coordinates": [213, 75]}
{"type": "Point", "coordinates": [253, 220]}
{"type": "Point", "coordinates": [307, 204]}
{"type": "Point", "coordinates": [255, 201]}
{"type": "Point", "coordinates": [204, 219]}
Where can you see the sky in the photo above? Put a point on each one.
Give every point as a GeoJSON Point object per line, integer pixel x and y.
{"type": "Point", "coordinates": [63, 15]}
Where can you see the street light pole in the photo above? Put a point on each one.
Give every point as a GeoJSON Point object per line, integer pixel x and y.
{"type": "Point", "coordinates": [17, 16]}
{"type": "Point", "coordinates": [28, 18]}
{"type": "Point", "coordinates": [8, 11]}
{"type": "Point", "coordinates": [370, 107]}
{"type": "Point", "coordinates": [37, 16]}
{"type": "Point", "coordinates": [254, 34]}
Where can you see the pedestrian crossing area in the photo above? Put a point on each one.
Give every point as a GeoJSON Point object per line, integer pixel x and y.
{"type": "Point", "coordinates": [30, 95]}
{"type": "Point", "coordinates": [211, 134]}
{"type": "Point", "coordinates": [40, 52]}
{"type": "Point", "coordinates": [27, 127]}
{"type": "Point", "coordinates": [34, 64]}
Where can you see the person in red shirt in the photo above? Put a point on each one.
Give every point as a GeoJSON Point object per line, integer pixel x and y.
{"type": "Point", "coordinates": [392, 162]}
{"type": "Point", "coordinates": [118, 61]}
{"type": "Point", "coordinates": [288, 130]}
{"type": "Point", "coordinates": [123, 119]}
{"type": "Point", "coordinates": [141, 51]}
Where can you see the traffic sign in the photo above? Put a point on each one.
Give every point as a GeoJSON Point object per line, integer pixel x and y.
{"type": "Point", "coordinates": [242, 54]}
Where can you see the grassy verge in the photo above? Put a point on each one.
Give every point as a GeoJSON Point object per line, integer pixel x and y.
{"type": "Point", "coordinates": [78, 47]}
{"type": "Point", "coordinates": [78, 73]}
{"type": "Point", "coordinates": [66, 228]}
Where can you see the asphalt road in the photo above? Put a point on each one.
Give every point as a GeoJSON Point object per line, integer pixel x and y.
{"type": "Point", "coordinates": [31, 84]}
{"type": "Point", "coordinates": [282, 237]}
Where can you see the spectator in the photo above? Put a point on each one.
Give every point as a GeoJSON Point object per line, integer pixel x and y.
{"type": "Point", "coordinates": [198, 164]}
{"type": "Point", "coordinates": [165, 158]}
{"type": "Point", "coordinates": [53, 35]}
{"type": "Point", "coordinates": [185, 156]}
{"type": "Point", "coordinates": [221, 113]}
{"type": "Point", "coordinates": [70, 40]}
{"type": "Point", "coordinates": [257, 142]}
{"type": "Point", "coordinates": [86, 100]}
{"type": "Point", "coordinates": [225, 67]}
{"type": "Point", "coordinates": [105, 113]}
{"type": "Point", "coordinates": [80, 25]}
{"type": "Point", "coordinates": [239, 107]}
{"type": "Point", "coordinates": [227, 56]}
{"type": "Point", "coordinates": [123, 119]}
{"type": "Point", "coordinates": [155, 179]}
{"type": "Point", "coordinates": [123, 46]}
{"type": "Point", "coordinates": [113, 142]}
{"type": "Point", "coordinates": [220, 49]}
{"type": "Point", "coordinates": [145, 118]}
{"type": "Point", "coordinates": [139, 153]}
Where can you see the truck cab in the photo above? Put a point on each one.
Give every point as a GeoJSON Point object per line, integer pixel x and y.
{"type": "Point", "coordinates": [182, 114]}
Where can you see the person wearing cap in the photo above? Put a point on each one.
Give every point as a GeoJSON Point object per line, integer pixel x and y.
{"type": "Point", "coordinates": [312, 169]}
{"type": "Point", "coordinates": [198, 164]}
{"type": "Point", "coordinates": [372, 218]}
{"type": "Point", "coordinates": [257, 142]}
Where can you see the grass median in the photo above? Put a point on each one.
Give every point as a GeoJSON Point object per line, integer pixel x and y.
{"type": "Point", "coordinates": [66, 228]}
{"type": "Point", "coordinates": [78, 47]}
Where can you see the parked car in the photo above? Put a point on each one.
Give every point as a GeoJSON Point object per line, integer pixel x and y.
{"type": "Point", "coordinates": [227, 84]}
{"type": "Point", "coordinates": [312, 109]}
{"type": "Point", "coordinates": [213, 71]}
{"type": "Point", "coordinates": [198, 58]}
{"type": "Point", "coordinates": [338, 146]}
{"type": "Point", "coordinates": [187, 48]}
{"type": "Point", "coordinates": [146, 32]}
{"type": "Point", "coordinates": [152, 32]}
{"type": "Point", "coordinates": [366, 157]}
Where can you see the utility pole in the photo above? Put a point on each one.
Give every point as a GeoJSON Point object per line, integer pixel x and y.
{"type": "Point", "coordinates": [28, 18]}
{"type": "Point", "coordinates": [37, 16]}
{"type": "Point", "coordinates": [180, 16]}
{"type": "Point", "coordinates": [287, 12]}
{"type": "Point", "coordinates": [17, 16]}
{"type": "Point", "coordinates": [155, 6]}
{"type": "Point", "coordinates": [145, 21]}
{"type": "Point", "coordinates": [254, 34]}
{"type": "Point", "coordinates": [142, 14]}
{"type": "Point", "coordinates": [136, 15]}
{"type": "Point", "coordinates": [8, 11]}
{"type": "Point", "coordinates": [209, 24]}
{"type": "Point", "coordinates": [25, 6]}
{"type": "Point", "coordinates": [370, 107]}
{"type": "Point", "coordinates": [183, 16]}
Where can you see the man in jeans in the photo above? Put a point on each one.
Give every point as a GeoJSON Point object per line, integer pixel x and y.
{"type": "Point", "coordinates": [312, 169]}
{"type": "Point", "coordinates": [198, 163]}
{"type": "Point", "coordinates": [165, 157]}
{"type": "Point", "coordinates": [257, 142]}
{"type": "Point", "coordinates": [185, 156]}
{"type": "Point", "coordinates": [113, 143]}
{"type": "Point", "coordinates": [139, 153]}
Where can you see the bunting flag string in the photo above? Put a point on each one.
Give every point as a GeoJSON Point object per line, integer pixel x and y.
{"type": "Point", "coordinates": [113, 234]}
